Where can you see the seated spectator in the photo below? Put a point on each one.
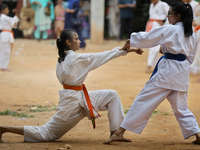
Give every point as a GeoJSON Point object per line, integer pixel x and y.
{"type": "Point", "coordinates": [26, 24]}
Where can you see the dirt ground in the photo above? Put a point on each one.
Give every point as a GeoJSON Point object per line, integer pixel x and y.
{"type": "Point", "coordinates": [32, 81]}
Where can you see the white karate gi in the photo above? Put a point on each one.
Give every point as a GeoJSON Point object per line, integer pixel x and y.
{"type": "Point", "coordinates": [157, 12]}
{"type": "Point", "coordinates": [195, 66]}
{"type": "Point", "coordinates": [171, 80]}
{"type": "Point", "coordinates": [113, 18]}
{"type": "Point", "coordinates": [72, 106]}
{"type": "Point", "coordinates": [7, 23]}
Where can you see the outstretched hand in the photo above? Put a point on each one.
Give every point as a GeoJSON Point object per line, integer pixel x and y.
{"type": "Point", "coordinates": [128, 49]}
{"type": "Point", "coordinates": [126, 45]}
{"type": "Point", "coordinates": [136, 50]}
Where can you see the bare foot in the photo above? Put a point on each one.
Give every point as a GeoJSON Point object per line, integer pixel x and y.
{"type": "Point", "coordinates": [197, 141]}
{"type": "Point", "coordinates": [116, 137]}
{"type": "Point", "coordinates": [1, 141]}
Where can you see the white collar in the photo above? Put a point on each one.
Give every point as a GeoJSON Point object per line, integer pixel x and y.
{"type": "Point", "coordinates": [179, 23]}
{"type": "Point", "coordinates": [70, 52]}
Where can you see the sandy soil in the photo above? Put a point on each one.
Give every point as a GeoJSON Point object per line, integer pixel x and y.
{"type": "Point", "coordinates": [32, 81]}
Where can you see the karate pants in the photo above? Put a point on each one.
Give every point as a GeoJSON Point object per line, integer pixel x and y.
{"type": "Point", "coordinates": [195, 66]}
{"type": "Point", "coordinates": [149, 99]}
{"type": "Point", "coordinates": [102, 100]}
{"type": "Point", "coordinates": [5, 48]}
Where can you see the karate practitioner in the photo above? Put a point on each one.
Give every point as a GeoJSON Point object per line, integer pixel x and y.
{"type": "Point", "coordinates": [178, 43]}
{"type": "Point", "coordinates": [74, 103]}
{"type": "Point", "coordinates": [157, 15]}
{"type": "Point", "coordinates": [195, 66]}
{"type": "Point", "coordinates": [6, 36]}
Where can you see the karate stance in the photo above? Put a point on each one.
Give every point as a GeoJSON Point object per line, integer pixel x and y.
{"type": "Point", "coordinates": [75, 102]}
{"type": "Point", "coordinates": [7, 36]}
{"type": "Point", "coordinates": [178, 43]}
{"type": "Point", "coordinates": [157, 15]}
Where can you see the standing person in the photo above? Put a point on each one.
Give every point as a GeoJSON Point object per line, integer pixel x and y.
{"type": "Point", "coordinates": [112, 17]}
{"type": "Point", "coordinates": [126, 17]}
{"type": "Point", "coordinates": [70, 13]}
{"type": "Point", "coordinates": [59, 18]}
{"type": "Point", "coordinates": [178, 43]}
{"type": "Point", "coordinates": [84, 15]}
{"type": "Point", "coordinates": [195, 66]}
{"type": "Point", "coordinates": [157, 15]}
{"type": "Point", "coordinates": [12, 5]}
{"type": "Point", "coordinates": [7, 36]}
{"type": "Point", "coordinates": [44, 15]}
{"type": "Point", "coordinates": [75, 102]}
{"type": "Point", "coordinates": [26, 24]}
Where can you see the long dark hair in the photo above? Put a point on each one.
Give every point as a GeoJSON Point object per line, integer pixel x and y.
{"type": "Point", "coordinates": [2, 7]}
{"type": "Point", "coordinates": [185, 10]}
{"type": "Point", "coordinates": [61, 43]}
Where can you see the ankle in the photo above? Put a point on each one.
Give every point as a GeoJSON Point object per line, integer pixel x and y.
{"type": "Point", "coordinates": [120, 131]}
{"type": "Point", "coordinates": [198, 135]}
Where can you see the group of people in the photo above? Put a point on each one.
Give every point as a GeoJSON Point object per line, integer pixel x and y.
{"type": "Point", "coordinates": [36, 18]}
{"type": "Point", "coordinates": [170, 80]}
{"type": "Point", "coordinates": [39, 15]}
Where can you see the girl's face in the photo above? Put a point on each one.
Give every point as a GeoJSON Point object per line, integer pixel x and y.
{"type": "Point", "coordinates": [5, 11]}
{"type": "Point", "coordinates": [74, 44]}
{"type": "Point", "coordinates": [173, 17]}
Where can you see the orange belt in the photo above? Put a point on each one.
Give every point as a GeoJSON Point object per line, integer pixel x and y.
{"type": "Point", "coordinates": [91, 108]}
{"type": "Point", "coordinates": [10, 32]}
{"type": "Point", "coordinates": [196, 28]}
{"type": "Point", "coordinates": [150, 24]}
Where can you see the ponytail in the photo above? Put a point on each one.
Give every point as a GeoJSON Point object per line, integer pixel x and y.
{"type": "Point", "coordinates": [61, 50]}
{"type": "Point", "coordinates": [61, 43]}
{"type": "Point", "coordinates": [186, 13]}
{"type": "Point", "coordinates": [187, 20]}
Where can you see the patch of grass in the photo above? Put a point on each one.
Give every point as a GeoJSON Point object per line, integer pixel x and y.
{"type": "Point", "coordinates": [15, 114]}
{"type": "Point", "coordinates": [126, 111]}
{"type": "Point", "coordinates": [166, 114]}
{"type": "Point", "coordinates": [41, 108]}
{"type": "Point", "coordinates": [155, 112]}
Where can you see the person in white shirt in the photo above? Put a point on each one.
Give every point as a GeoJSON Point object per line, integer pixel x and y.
{"type": "Point", "coordinates": [75, 102]}
{"type": "Point", "coordinates": [157, 15]}
{"type": "Point", "coordinates": [171, 76]}
{"type": "Point", "coordinates": [195, 66]}
{"type": "Point", "coordinates": [6, 36]}
{"type": "Point", "coordinates": [113, 18]}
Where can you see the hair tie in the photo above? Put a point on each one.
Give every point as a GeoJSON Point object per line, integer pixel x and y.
{"type": "Point", "coordinates": [187, 6]}
{"type": "Point", "coordinates": [59, 39]}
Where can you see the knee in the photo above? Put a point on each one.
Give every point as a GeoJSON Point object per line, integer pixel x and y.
{"type": "Point", "coordinates": [113, 92]}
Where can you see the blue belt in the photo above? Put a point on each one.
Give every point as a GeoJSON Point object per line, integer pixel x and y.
{"type": "Point", "coordinates": [178, 57]}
